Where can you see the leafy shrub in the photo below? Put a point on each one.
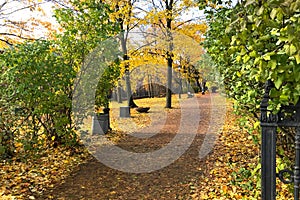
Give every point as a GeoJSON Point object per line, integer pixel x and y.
{"type": "Point", "coordinates": [38, 86]}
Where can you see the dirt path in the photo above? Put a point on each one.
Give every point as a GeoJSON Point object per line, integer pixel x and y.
{"type": "Point", "coordinates": [94, 180]}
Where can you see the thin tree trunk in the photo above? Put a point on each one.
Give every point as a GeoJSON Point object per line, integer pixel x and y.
{"type": "Point", "coordinates": [169, 6]}
{"type": "Point", "coordinates": [130, 101]}
{"type": "Point", "coordinates": [119, 92]}
{"type": "Point", "coordinates": [169, 83]}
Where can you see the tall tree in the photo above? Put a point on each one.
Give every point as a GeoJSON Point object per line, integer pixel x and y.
{"type": "Point", "coordinates": [165, 16]}
{"type": "Point", "coordinates": [126, 17]}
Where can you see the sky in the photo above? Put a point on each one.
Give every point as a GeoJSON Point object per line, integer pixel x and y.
{"type": "Point", "coordinates": [26, 14]}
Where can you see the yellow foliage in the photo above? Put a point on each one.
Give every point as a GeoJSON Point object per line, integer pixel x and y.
{"type": "Point", "coordinates": [195, 31]}
{"type": "Point", "coordinates": [3, 45]}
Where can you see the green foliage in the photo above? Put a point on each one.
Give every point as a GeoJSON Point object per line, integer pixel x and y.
{"type": "Point", "coordinates": [246, 178]}
{"type": "Point", "coordinates": [37, 79]}
{"type": "Point", "coordinates": [86, 26]}
{"type": "Point", "coordinates": [253, 42]}
{"type": "Point", "coordinates": [106, 83]}
{"type": "Point", "coordinates": [37, 86]}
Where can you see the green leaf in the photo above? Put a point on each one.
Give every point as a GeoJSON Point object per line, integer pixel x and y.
{"type": "Point", "coordinates": [274, 93]}
{"type": "Point", "coordinates": [296, 99]}
{"type": "Point", "coordinates": [260, 11]}
{"type": "Point", "coordinates": [297, 57]}
{"type": "Point", "coordinates": [253, 54]}
{"type": "Point", "coordinates": [266, 57]}
{"type": "Point", "coordinates": [228, 29]}
{"type": "Point", "coordinates": [284, 97]}
{"type": "Point", "coordinates": [258, 22]}
{"type": "Point", "coordinates": [287, 49]}
{"type": "Point", "coordinates": [233, 39]}
{"type": "Point", "coordinates": [293, 49]}
{"type": "Point", "coordinates": [272, 64]}
{"type": "Point", "coordinates": [246, 58]}
{"type": "Point", "coordinates": [278, 82]}
{"type": "Point", "coordinates": [283, 39]}
{"type": "Point", "coordinates": [274, 31]}
{"type": "Point", "coordinates": [249, 2]}
{"type": "Point", "coordinates": [273, 13]}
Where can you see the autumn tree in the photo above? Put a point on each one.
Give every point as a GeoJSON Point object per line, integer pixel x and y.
{"type": "Point", "coordinates": [124, 14]}
{"type": "Point", "coordinates": [165, 17]}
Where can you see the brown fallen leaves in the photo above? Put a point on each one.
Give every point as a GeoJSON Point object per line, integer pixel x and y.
{"type": "Point", "coordinates": [234, 150]}
{"type": "Point", "coordinates": [27, 176]}
{"type": "Point", "coordinates": [232, 170]}
{"type": "Point", "coordinates": [234, 166]}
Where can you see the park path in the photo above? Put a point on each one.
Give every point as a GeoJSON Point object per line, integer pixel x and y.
{"type": "Point", "coordinates": [179, 180]}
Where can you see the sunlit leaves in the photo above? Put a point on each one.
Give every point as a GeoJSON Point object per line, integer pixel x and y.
{"type": "Point", "coordinates": [84, 29]}
{"type": "Point", "coordinates": [27, 177]}
{"type": "Point", "coordinates": [263, 45]}
{"type": "Point", "coordinates": [269, 41]}
{"type": "Point", "coordinates": [233, 169]}
{"type": "Point", "coordinates": [38, 85]}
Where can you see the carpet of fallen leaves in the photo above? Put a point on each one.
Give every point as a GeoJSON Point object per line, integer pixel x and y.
{"type": "Point", "coordinates": [234, 151]}
{"type": "Point", "coordinates": [27, 176]}
{"type": "Point", "coordinates": [231, 171]}
{"type": "Point", "coordinates": [179, 180]}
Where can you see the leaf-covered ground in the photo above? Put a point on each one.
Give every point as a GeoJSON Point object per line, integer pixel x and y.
{"type": "Point", "coordinates": [230, 171]}
{"type": "Point", "coordinates": [233, 169]}
{"type": "Point", "coordinates": [26, 177]}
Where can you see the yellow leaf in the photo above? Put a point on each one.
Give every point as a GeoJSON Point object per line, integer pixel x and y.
{"type": "Point", "coordinates": [256, 124]}
{"type": "Point", "coordinates": [53, 138]}
{"type": "Point", "coordinates": [18, 144]}
{"type": "Point", "coordinates": [224, 188]}
{"type": "Point", "coordinates": [293, 49]}
{"type": "Point", "coordinates": [297, 57]}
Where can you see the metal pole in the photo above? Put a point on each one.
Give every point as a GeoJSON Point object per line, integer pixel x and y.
{"type": "Point", "coordinates": [268, 147]}
{"type": "Point", "coordinates": [268, 162]}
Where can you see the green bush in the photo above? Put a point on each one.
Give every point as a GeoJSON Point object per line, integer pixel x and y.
{"type": "Point", "coordinates": [36, 99]}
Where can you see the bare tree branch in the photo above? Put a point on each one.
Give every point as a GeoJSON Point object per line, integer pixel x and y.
{"type": "Point", "coordinates": [182, 23]}
{"type": "Point", "coordinates": [23, 8]}
{"type": "Point", "coordinates": [3, 4]}
{"type": "Point", "coordinates": [134, 26]}
{"type": "Point", "coordinates": [139, 8]}
{"type": "Point", "coordinates": [6, 41]}
{"type": "Point", "coordinates": [18, 36]}
{"type": "Point", "coordinates": [148, 44]}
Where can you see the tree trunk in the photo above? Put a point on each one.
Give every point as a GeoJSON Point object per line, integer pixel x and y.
{"type": "Point", "coordinates": [169, 83]}
{"type": "Point", "coordinates": [130, 101]}
{"type": "Point", "coordinates": [119, 93]}
{"type": "Point", "coordinates": [169, 6]}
